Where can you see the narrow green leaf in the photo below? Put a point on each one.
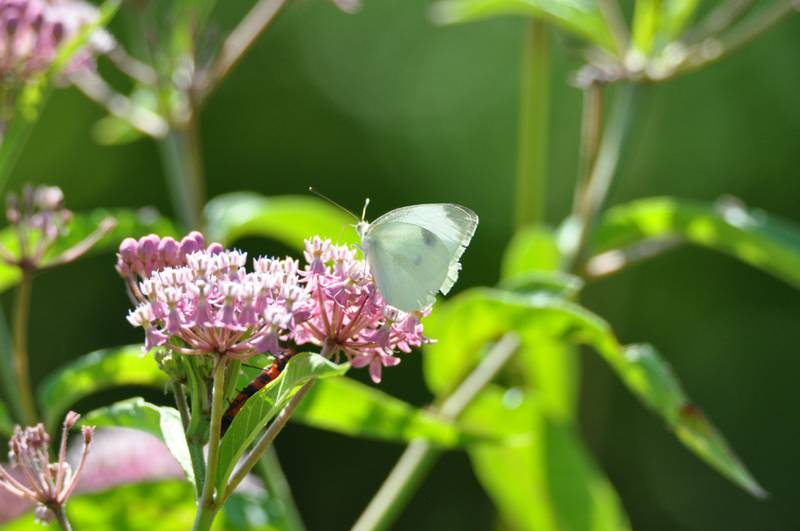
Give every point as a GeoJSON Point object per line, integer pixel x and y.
{"type": "Point", "coordinates": [764, 242]}
{"type": "Point", "coordinates": [540, 476]}
{"type": "Point", "coordinates": [287, 219]}
{"type": "Point", "coordinates": [136, 413]}
{"type": "Point", "coordinates": [94, 372]}
{"type": "Point", "coordinates": [531, 250]}
{"type": "Point", "coordinates": [476, 316]}
{"type": "Point", "coordinates": [581, 17]}
{"type": "Point", "coordinates": [6, 424]}
{"type": "Point", "coordinates": [349, 407]}
{"type": "Point", "coordinates": [264, 405]}
{"type": "Point", "coordinates": [129, 223]}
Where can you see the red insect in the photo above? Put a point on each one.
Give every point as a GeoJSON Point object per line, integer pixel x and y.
{"type": "Point", "coordinates": [267, 375]}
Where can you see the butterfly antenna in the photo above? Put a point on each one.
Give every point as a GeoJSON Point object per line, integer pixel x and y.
{"type": "Point", "coordinates": [364, 211]}
{"type": "Point", "coordinates": [331, 201]}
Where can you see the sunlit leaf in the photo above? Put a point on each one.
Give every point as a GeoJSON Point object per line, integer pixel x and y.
{"type": "Point", "coordinates": [131, 223]}
{"type": "Point", "coordinates": [136, 413]}
{"type": "Point", "coordinates": [531, 250]}
{"type": "Point", "coordinates": [265, 404]}
{"type": "Point", "coordinates": [581, 17]}
{"type": "Point", "coordinates": [6, 424]}
{"type": "Point", "coordinates": [751, 236]}
{"type": "Point", "coordinates": [476, 316]}
{"type": "Point", "coordinates": [553, 283]}
{"type": "Point", "coordinates": [94, 372]}
{"type": "Point", "coordinates": [539, 474]}
{"type": "Point", "coordinates": [349, 407]}
{"type": "Point", "coordinates": [287, 219]}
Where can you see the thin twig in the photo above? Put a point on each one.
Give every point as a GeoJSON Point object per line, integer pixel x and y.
{"type": "Point", "coordinates": [418, 457]}
{"type": "Point", "coordinates": [240, 40]}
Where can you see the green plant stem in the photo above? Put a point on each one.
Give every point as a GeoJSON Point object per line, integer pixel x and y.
{"type": "Point", "coordinates": [10, 383]}
{"type": "Point", "coordinates": [593, 193]}
{"type": "Point", "coordinates": [180, 154]}
{"type": "Point", "coordinates": [206, 506]}
{"type": "Point", "coordinates": [278, 487]}
{"type": "Point", "coordinates": [195, 450]}
{"type": "Point", "coordinates": [265, 441]}
{"type": "Point", "coordinates": [61, 518]}
{"type": "Point", "coordinates": [419, 456]}
{"type": "Point", "coordinates": [20, 340]}
{"type": "Point", "coordinates": [533, 125]}
{"type": "Point", "coordinates": [615, 21]}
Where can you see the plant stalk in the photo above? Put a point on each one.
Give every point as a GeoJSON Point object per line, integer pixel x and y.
{"type": "Point", "coordinates": [533, 125]}
{"type": "Point", "coordinates": [419, 456]}
{"type": "Point", "coordinates": [61, 518]}
{"type": "Point", "coordinates": [180, 154]}
{"type": "Point", "coordinates": [278, 487]}
{"type": "Point", "coordinates": [20, 340]}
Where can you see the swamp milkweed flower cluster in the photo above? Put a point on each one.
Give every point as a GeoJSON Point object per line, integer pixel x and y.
{"type": "Point", "coordinates": [198, 300]}
{"type": "Point", "coordinates": [48, 485]}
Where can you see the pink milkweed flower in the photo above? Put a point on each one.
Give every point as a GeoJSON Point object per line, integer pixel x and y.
{"type": "Point", "coordinates": [48, 485]}
{"type": "Point", "coordinates": [350, 316]}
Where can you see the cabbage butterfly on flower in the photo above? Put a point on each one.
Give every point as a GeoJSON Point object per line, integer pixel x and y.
{"type": "Point", "coordinates": [414, 251]}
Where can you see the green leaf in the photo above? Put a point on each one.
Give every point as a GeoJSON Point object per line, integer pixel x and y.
{"type": "Point", "coordinates": [349, 407]}
{"type": "Point", "coordinates": [136, 413]}
{"type": "Point", "coordinates": [287, 219]}
{"type": "Point", "coordinates": [552, 283]}
{"type": "Point", "coordinates": [540, 476]}
{"type": "Point", "coordinates": [6, 424]}
{"type": "Point", "coordinates": [531, 250]}
{"type": "Point", "coordinates": [129, 223]}
{"type": "Point", "coordinates": [581, 17]}
{"type": "Point", "coordinates": [94, 372]}
{"type": "Point", "coordinates": [477, 316]}
{"type": "Point", "coordinates": [765, 242]}
{"type": "Point", "coordinates": [265, 404]}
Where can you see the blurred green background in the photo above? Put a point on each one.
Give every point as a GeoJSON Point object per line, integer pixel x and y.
{"type": "Point", "coordinates": [385, 105]}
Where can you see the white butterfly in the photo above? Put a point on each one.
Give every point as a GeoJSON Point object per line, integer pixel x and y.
{"type": "Point", "coordinates": [413, 251]}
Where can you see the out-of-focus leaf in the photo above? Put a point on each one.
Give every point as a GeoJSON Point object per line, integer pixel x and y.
{"type": "Point", "coordinates": [114, 131]}
{"type": "Point", "coordinates": [129, 223]}
{"type": "Point", "coordinates": [6, 424]}
{"type": "Point", "coordinates": [94, 372]}
{"type": "Point", "coordinates": [553, 283]}
{"type": "Point", "coordinates": [752, 236]}
{"type": "Point", "coordinates": [476, 316]}
{"type": "Point", "coordinates": [581, 17]}
{"type": "Point", "coordinates": [539, 475]}
{"type": "Point", "coordinates": [265, 404]}
{"type": "Point", "coordinates": [531, 250]}
{"type": "Point", "coordinates": [163, 422]}
{"type": "Point", "coordinates": [346, 406]}
{"type": "Point", "coordinates": [287, 219]}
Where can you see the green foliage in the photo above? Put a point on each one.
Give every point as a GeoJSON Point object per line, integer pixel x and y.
{"type": "Point", "coordinates": [287, 219]}
{"type": "Point", "coordinates": [580, 17]}
{"type": "Point", "coordinates": [265, 404]}
{"type": "Point", "coordinates": [163, 422]}
{"type": "Point", "coordinates": [532, 249]}
{"type": "Point", "coordinates": [770, 244]}
{"type": "Point", "coordinates": [479, 315]}
{"type": "Point", "coordinates": [6, 424]}
{"type": "Point", "coordinates": [540, 476]}
{"type": "Point", "coordinates": [93, 372]}
{"type": "Point", "coordinates": [130, 223]}
{"type": "Point", "coordinates": [346, 406]}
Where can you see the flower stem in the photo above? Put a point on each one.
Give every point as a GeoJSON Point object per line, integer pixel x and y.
{"type": "Point", "coordinates": [195, 450]}
{"type": "Point", "coordinates": [206, 506]}
{"type": "Point", "coordinates": [61, 518]}
{"type": "Point", "coordinates": [419, 456]}
{"type": "Point", "coordinates": [180, 154]}
{"type": "Point", "coordinates": [533, 126]}
{"type": "Point", "coordinates": [266, 440]}
{"type": "Point", "coordinates": [20, 340]}
{"type": "Point", "coordinates": [279, 489]}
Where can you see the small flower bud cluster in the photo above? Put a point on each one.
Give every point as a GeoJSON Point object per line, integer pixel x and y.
{"type": "Point", "coordinates": [31, 32]}
{"type": "Point", "coordinates": [48, 485]}
{"type": "Point", "coordinates": [350, 316]}
{"type": "Point", "coordinates": [204, 301]}
{"type": "Point", "coordinates": [39, 217]}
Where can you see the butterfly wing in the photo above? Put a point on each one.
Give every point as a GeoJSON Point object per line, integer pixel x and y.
{"type": "Point", "coordinates": [454, 225]}
{"type": "Point", "coordinates": [409, 263]}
